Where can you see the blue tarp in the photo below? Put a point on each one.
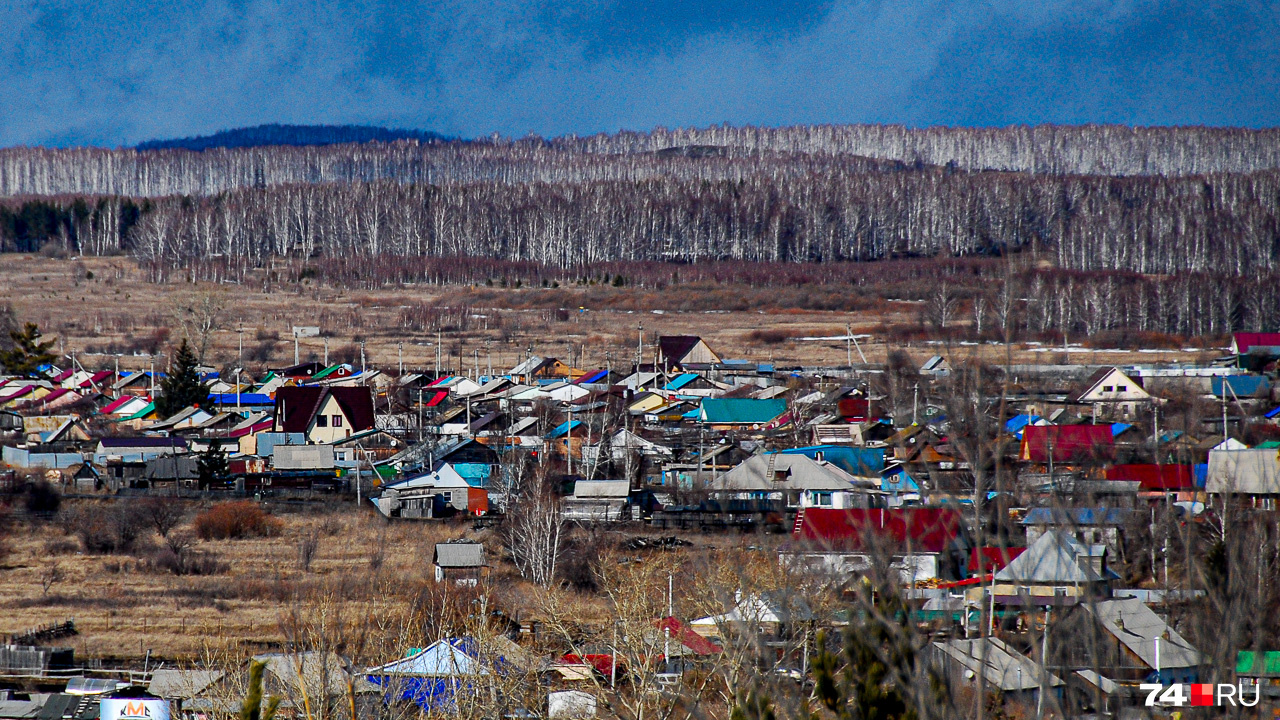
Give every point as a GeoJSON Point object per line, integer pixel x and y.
{"type": "Point", "coordinates": [1201, 473]}
{"type": "Point", "coordinates": [431, 677]}
{"type": "Point", "coordinates": [245, 399]}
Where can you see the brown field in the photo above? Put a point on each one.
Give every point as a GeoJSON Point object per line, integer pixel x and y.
{"type": "Point", "coordinates": [105, 310]}
{"type": "Point", "coordinates": [122, 608]}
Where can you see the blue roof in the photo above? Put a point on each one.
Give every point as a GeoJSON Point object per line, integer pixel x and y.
{"type": "Point", "coordinates": [899, 482]}
{"type": "Point", "coordinates": [1241, 385]}
{"type": "Point", "coordinates": [245, 399]}
{"type": "Point", "coordinates": [746, 411]}
{"type": "Point", "coordinates": [1117, 428]}
{"type": "Point", "coordinates": [853, 460]}
{"type": "Point", "coordinates": [1202, 474]}
{"type": "Point", "coordinates": [1274, 412]}
{"type": "Point", "coordinates": [594, 377]}
{"type": "Point", "coordinates": [563, 429]}
{"type": "Point", "coordinates": [1076, 516]}
{"type": "Point", "coordinates": [1017, 422]}
{"type": "Point", "coordinates": [681, 380]}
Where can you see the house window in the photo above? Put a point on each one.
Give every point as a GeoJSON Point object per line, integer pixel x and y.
{"type": "Point", "coordinates": [822, 499]}
{"type": "Point", "coordinates": [446, 498]}
{"type": "Point", "coordinates": [322, 421]}
{"type": "Point", "coordinates": [1106, 388]}
{"type": "Point", "coordinates": [1122, 388]}
{"type": "Point", "coordinates": [337, 421]}
{"type": "Point", "coordinates": [818, 456]}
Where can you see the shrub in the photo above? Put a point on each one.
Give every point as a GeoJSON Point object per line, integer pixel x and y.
{"type": "Point", "coordinates": [107, 528]}
{"type": "Point", "coordinates": [236, 519]}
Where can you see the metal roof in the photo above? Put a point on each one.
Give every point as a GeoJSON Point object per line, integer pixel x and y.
{"type": "Point", "coordinates": [1137, 627]}
{"type": "Point", "coordinates": [459, 554]}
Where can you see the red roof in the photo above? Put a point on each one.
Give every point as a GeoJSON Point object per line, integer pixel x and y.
{"type": "Point", "coordinates": [21, 391]}
{"type": "Point", "coordinates": [115, 404]}
{"type": "Point", "coordinates": [602, 662]}
{"type": "Point", "coordinates": [854, 408]}
{"type": "Point", "coordinates": [687, 637]}
{"type": "Point", "coordinates": [1069, 442]}
{"type": "Point", "coordinates": [922, 529]}
{"type": "Point", "coordinates": [992, 558]}
{"type": "Point", "coordinates": [96, 378]}
{"type": "Point", "coordinates": [63, 375]}
{"type": "Point", "coordinates": [437, 398]}
{"type": "Point", "coordinates": [1244, 341]}
{"type": "Point", "coordinates": [1155, 477]}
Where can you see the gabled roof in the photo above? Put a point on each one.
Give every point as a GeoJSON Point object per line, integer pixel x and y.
{"type": "Point", "coordinates": [1131, 622]}
{"type": "Point", "coordinates": [741, 411]}
{"type": "Point", "coordinates": [1005, 668]}
{"type": "Point", "coordinates": [564, 428]}
{"type": "Point", "coordinates": [596, 489]}
{"type": "Point", "coordinates": [675, 347]}
{"type": "Point", "coordinates": [1243, 342]}
{"type": "Point", "coordinates": [790, 472]}
{"type": "Point", "coordinates": [1100, 376]}
{"type": "Point", "coordinates": [459, 555]}
{"type": "Point", "coordinates": [1072, 517]}
{"type": "Point", "coordinates": [444, 658]}
{"type": "Point", "coordinates": [1241, 386]}
{"type": "Point", "coordinates": [1055, 558]}
{"type": "Point", "coordinates": [296, 406]}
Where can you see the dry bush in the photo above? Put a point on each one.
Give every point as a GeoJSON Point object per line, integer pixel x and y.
{"type": "Point", "coordinates": [236, 519]}
{"type": "Point", "coordinates": [111, 528]}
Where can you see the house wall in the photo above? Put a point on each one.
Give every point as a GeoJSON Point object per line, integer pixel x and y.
{"type": "Point", "coordinates": [330, 409]}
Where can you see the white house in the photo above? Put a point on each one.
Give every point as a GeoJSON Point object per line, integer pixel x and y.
{"type": "Point", "coordinates": [1113, 393]}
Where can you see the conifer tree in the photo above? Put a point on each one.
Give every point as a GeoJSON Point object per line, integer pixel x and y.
{"type": "Point", "coordinates": [28, 353]}
{"type": "Point", "coordinates": [181, 388]}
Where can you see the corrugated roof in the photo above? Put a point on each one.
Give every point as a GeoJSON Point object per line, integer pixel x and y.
{"type": "Point", "coordinates": [1004, 667]}
{"type": "Point", "coordinates": [741, 411]}
{"type": "Point", "coordinates": [1137, 627]}
{"type": "Point", "coordinates": [1054, 558]}
{"type": "Point", "coordinates": [459, 555]}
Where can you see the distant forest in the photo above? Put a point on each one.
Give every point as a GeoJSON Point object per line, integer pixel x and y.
{"type": "Point", "coordinates": [274, 134]}
{"type": "Point", "coordinates": [1096, 199]}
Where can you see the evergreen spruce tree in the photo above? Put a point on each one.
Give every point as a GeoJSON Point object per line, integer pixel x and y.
{"type": "Point", "coordinates": [28, 353]}
{"type": "Point", "coordinates": [181, 387]}
{"type": "Point", "coordinates": [211, 466]}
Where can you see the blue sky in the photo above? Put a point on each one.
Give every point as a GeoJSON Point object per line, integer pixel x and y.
{"type": "Point", "coordinates": [113, 73]}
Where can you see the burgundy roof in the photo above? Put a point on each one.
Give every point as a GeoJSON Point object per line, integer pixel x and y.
{"type": "Point", "coordinates": [1069, 442]}
{"type": "Point", "coordinates": [1244, 341]}
{"type": "Point", "coordinates": [137, 442]}
{"type": "Point", "coordinates": [923, 529]}
{"type": "Point", "coordinates": [296, 406]}
{"type": "Point", "coordinates": [675, 347]}
{"type": "Point", "coordinates": [1155, 477]}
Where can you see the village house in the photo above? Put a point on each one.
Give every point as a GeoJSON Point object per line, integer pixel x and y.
{"type": "Point", "coordinates": [323, 414]}
{"type": "Point", "coordinates": [1113, 394]}
{"type": "Point", "coordinates": [459, 562]}
{"type": "Point", "coordinates": [676, 351]}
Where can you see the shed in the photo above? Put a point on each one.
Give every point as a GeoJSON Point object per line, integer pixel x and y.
{"type": "Point", "coordinates": [459, 561]}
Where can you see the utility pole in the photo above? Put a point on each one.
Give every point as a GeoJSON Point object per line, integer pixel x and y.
{"type": "Point", "coordinates": [400, 357]}
{"type": "Point", "coordinates": [295, 346]}
{"type": "Point", "coordinates": [326, 352]}
{"type": "Point", "coordinates": [419, 412]}
{"type": "Point", "coordinates": [640, 346]}
{"type": "Point", "coordinates": [363, 379]}
{"type": "Point", "coordinates": [915, 403]}
{"type": "Point", "coordinates": [437, 354]}
{"type": "Point", "coordinates": [848, 348]}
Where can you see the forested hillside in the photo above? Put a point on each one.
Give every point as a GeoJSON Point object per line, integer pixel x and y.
{"type": "Point", "coordinates": [1155, 201]}
{"type": "Point", "coordinates": [275, 134]}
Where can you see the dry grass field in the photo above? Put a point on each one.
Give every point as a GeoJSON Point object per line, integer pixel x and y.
{"type": "Point", "coordinates": [105, 310]}
{"type": "Point", "coordinates": [123, 608]}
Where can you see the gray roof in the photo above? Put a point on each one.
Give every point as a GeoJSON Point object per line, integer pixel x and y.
{"type": "Point", "coordinates": [1002, 663]}
{"type": "Point", "coordinates": [1253, 472]}
{"type": "Point", "coordinates": [459, 554]}
{"type": "Point", "coordinates": [1055, 558]}
{"type": "Point", "coordinates": [584, 489]}
{"type": "Point", "coordinates": [175, 683]}
{"type": "Point", "coordinates": [1136, 626]}
{"type": "Point", "coordinates": [798, 472]}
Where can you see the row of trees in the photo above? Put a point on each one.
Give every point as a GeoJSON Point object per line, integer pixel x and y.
{"type": "Point", "coordinates": [709, 153]}
{"type": "Point", "coordinates": [1226, 224]}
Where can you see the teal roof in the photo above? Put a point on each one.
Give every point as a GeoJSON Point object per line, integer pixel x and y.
{"type": "Point", "coordinates": [681, 380]}
{"type": "Point", "coordinates": [741, 411]}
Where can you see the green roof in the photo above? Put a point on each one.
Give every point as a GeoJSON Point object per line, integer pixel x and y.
{"type": "Point", "coordinates": [1268, 445]}
{"type": "Point", "coordinates": [326, 372]}
{"type": "Point", "coordinates": [150, 408]}
{"type": "Point", "coordinates": [1247, 663]}
{"type": "Point", "coordinates": [743, 411]}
